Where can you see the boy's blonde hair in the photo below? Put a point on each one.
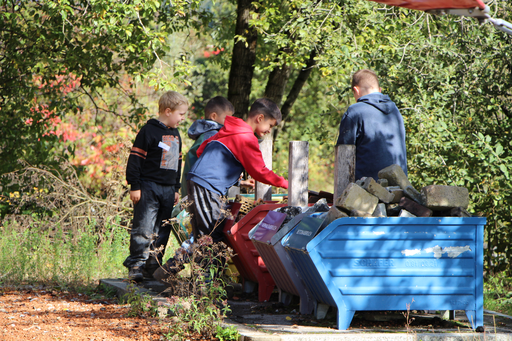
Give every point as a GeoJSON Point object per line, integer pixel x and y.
{"type": "Point", "coordinates": [171, 100]}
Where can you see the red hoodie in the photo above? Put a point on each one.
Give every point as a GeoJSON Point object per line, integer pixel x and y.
{"type": "Point", "coordinates": [223, 157]}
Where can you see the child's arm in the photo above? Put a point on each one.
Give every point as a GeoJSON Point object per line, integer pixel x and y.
{"type": "Point", "coordinates": [248, 183]}
{"type": "Point", "coordinates": [247, 151]}
{"type": "Point", "coordinates": [249, 155]}
{"type": "Point", "coordinates": [136, 160]}
{"type": "Point", "coordinates": [135, 196]}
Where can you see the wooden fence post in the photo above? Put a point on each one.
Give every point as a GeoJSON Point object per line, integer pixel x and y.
{"type": "Point", "coordinates": [298, 157]}
{"type": "Point", "coordinates": [264, 191]}
{"type": "Point", "coordinates": [344, 167]}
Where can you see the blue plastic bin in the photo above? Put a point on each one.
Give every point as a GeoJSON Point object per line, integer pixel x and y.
{"type": "Point", "coordinates": [295, 244]}
{"type": "Point", "coordinates": [281, 267]}
{"type": "Point", "coordinates": [402, 263]}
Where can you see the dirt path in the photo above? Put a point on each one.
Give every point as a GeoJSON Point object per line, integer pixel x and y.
{"type": "Point", "coordinates": [45, 314]}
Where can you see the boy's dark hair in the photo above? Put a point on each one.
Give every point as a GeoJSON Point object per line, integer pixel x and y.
{"type": "Point", "coordinates": [219, 105]}
{"type": "Point", "coordinates": [365, 79]}
{"type": "Point", "coordinates": [266, 107]}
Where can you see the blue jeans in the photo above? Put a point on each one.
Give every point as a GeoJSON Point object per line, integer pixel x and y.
{"type": "Point", "coordinates": [147, 233]}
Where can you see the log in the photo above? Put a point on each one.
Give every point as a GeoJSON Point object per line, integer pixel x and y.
{"type": "Point", "coordinates": [344, 167]}
{"type": "Point", "coordinates": [298, 158]}
{"type": "Point", "coordinates": [264, 191]}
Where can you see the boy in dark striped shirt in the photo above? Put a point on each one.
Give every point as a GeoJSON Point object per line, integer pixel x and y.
{"type": "Point", "coordinates": [153, 172]}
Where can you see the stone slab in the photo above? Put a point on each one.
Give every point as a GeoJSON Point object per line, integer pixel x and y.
{"type": "Point", "coordinates": [413, 194]}
{"type": "Point", "coordinates": [354, 197]}
{"type": "Point", "coordinates": [398, 194]}
{"type": "Point", "coordinates": [415, 208]}
{"type": "Point", "coordinates": [438, 197]}
{"type": "Point", "coordinates": [380, 211]}
{"type": "Point", "coordinates": [383, 182]}
{"type": "Point", "coordinates": [333, 214]}
{"type": "Point", "coordinates": [395, 176]}
{"type": "Point", "coordinates": [372, 187]}
{"type": "Point", "coordinates": [361, 214]}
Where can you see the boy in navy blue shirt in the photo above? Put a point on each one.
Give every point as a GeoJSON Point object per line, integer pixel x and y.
{"type": "Point", "coordinates": [375, 126]}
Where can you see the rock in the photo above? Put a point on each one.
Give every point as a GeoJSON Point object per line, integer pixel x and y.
{"type": "Point", "coordinates": [438, 197]}
{"type": "Point", "coordinates": [380, 211]}
{"type": "Point", "coordinates": [360, 181]}
{"type": "Point", "coordinates": [413, 194]}
{"type": "Point", "coordinates": [415, 208]}
{"type": "Point", "coordinates": [383, 182]}
{"type": "Point", "coordinates": [393, 210]}
{"type": "Point", "coordinates": [371, 186]}
{"type": "Point", "coordinates": [460, 212]}
{"type": "Point", "coordinates": [397, 192]}
{"type": "Point", "coordinates": [395, 176]}
{"type": "Point", "coordinates": [406, 214]}
{"type": "Point", "coordinates": [333, 214]}
{"type": "Point", "coordinates": [356, 198]}
{"type": "Point", "coordinates": [357, 213]}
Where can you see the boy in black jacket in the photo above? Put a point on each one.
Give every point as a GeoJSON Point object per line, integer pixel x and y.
{"type": "Point", "coordinates": [153, 172]}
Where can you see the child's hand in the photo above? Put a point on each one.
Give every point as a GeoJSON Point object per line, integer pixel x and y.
{"type": "Point", "coordinates": [248, 183]}
{"type": "Point", "coordinates": [135, 196]}
{"type": "Point", "coordinates": [176, 198]}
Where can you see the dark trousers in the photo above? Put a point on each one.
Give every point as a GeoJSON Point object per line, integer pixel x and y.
{"type": "Point", "coordinates": [147, 234]}
{"type": "Point", "coordinates": [207, 211]}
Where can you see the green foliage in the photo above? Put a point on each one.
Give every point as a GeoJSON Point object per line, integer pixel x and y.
{"type": "Point", "coordinates": [452, 85]}
{"type": "Point", "coordinates": [227, 334]}
{"type": "Point", "coordinates": [199, 298]}
{"type": "Point", "coordinates": [141, 304]}
{"type": "Point", "coordinates": [40, 255]}
{"type": "Point", "coordinates": [498, 293]}
{"type": "Point", "coordinates": [56, 53]}
{"type": "Point", "coordinates": [58, 233]}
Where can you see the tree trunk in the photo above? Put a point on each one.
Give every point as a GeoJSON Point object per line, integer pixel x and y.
{"type": "Point", "coordinates": [242, 61]}
{"type": "Point", "coordinates": [295, 90]}
{"type": "Point", "coordinates": [276, 84]}
{"type": "Point", "coordinates": [297, 86]}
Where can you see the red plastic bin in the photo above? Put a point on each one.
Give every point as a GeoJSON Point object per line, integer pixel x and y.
{"type": "Point", "coordinates": [248, 261]}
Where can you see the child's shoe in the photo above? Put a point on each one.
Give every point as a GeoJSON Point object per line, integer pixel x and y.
{"type": "Point", "coordinates": [135, 274]}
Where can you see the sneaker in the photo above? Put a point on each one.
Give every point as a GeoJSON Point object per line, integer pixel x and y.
{"type": "Point", "coordinates": [150, 267]}
{"type": "Point", "coordinates": [147, 272]}
{"type": "Point", "coordinates": [135, 274]}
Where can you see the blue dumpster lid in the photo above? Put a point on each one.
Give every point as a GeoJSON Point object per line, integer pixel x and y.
{"type": "Point", "coordinates": [305, 230]}
{"type": "Point", "coordinates": [319, 206]}
{"type": "Point", "coordinates": [268, 226]}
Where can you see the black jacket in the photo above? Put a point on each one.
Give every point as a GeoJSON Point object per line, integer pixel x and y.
{"type": "Point", "coordinates": [155, 156]}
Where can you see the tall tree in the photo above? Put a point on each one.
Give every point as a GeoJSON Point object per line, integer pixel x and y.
{"type": "Point", "coordinates": [243, 59]}
{"type": "Point", "coordinates": [46, 45]}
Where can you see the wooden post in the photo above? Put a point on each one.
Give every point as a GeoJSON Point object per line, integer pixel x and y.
{"type": "Point", "coordinates": [298, 157]}
{"type": "Point", "coordinates": [264, 191]}
{"type": "Point", "coordinates": [344, 167]}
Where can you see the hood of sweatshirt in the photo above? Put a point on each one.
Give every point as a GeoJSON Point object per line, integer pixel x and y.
{"type": "Point", "coordinates": [157, 123]}
{"type": "Point", "coordinates": [234, 126]}
{"type": "Point", "coordinates": [379, 101]}
{"type": "Point", "coordinates": [199, 127]}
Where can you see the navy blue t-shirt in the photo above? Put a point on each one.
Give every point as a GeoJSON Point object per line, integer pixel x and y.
{"type": "Point", "coordinates": [376, 127]}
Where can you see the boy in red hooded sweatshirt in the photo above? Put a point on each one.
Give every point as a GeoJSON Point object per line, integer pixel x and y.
{"type": "Point", "coordinates": [222, 158]}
